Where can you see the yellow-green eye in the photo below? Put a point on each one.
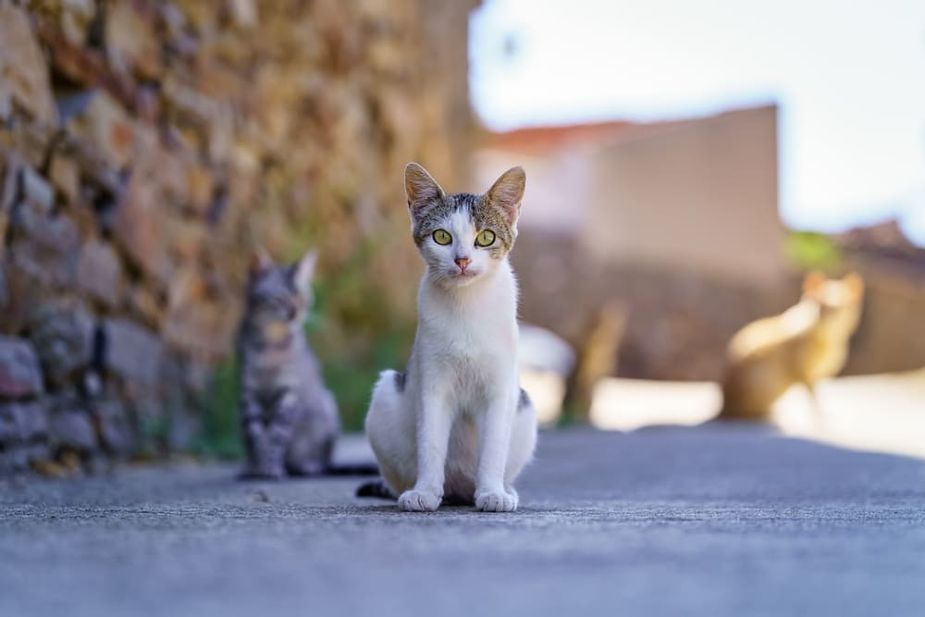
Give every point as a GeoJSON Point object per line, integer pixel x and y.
{"type": "Point", "coordinates": [442, 237]}
{"type": "Point", "coordinates": [486, 237]}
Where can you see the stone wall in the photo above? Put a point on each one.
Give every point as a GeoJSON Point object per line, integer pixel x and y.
{"type": "Point", "coordinates": [146, 147]}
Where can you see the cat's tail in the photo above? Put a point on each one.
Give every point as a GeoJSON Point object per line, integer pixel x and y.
{"type": "Point", "coordinates": [352, 469]}
{"type": "Point", "coordinates": [376, 489]}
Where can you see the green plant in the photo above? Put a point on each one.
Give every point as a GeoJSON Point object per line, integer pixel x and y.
{"type": "Point", "coordinates": [810, 250]}
{"type": "Point", "coordinates": [221, 435]}
{"type": "Point", "coordinates": [351, 376]}
{"type": "Point", "coordinates": [355, 336]}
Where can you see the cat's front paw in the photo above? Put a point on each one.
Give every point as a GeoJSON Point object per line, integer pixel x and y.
{"type": "Point", "coordinates": [418, 501]}
{"type": "Point", "coordinates": [496, 501]}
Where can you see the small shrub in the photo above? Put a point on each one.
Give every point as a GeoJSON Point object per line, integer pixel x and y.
{"type": "Point", "coordinates": [810, 250]}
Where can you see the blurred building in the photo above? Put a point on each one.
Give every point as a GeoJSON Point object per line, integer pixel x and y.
{"type": "Point", "coordinates": [678, 221]}
{"type": "Point", "coordinates": [699, 194]}
{"type": "Point", "coordinates": [891, 336]}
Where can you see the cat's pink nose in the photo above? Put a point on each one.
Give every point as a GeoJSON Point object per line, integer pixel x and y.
{"type": "Point", "coordinates": [463, 263]}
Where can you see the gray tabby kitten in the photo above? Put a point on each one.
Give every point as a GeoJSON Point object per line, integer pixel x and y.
{"type": "Point", "coordinates": [289, 418]}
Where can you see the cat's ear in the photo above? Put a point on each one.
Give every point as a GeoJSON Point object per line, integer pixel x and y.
{"type": "Point", "coordinates": [260, 261]}
{"type": "Point", "coordinates": [813, 283]}
{"type": "Point", "coordinates": [508, 191]}
{"type": "Point", "coordinates": [420, 187]}
{"type": "Point", "coordinates": [304, 271]}
{"type": "Point", "coordinates": [855, 284]}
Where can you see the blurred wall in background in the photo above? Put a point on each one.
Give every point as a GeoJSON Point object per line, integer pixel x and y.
{"type": "Point", "coordinates": [699, 195]}
{"type": "Point", "coordinates": [891, 336]}
{"type": "Point", "coordinates": [146, 147]}
{"type": "Point", "coordinates": [676, 222]}
{"type": "Point", "coordinates": [677, 225]}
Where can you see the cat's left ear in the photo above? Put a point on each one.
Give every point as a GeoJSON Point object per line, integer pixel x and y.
{"type": "Point", "coordinates": [813, 284]}
{"type": "Point", "coordinates": [304, 271]}
{"type": "Point", "coordinates": [260, 261]}
{"type": "Point", "coordinates": [507, 192]}
{"type": "Point", "coordinates": [855, 284]}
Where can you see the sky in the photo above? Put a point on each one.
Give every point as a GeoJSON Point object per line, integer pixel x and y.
{"type": "Point", "coordinates": [849, 78]}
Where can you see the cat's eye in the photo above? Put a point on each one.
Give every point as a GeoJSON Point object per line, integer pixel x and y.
{"type": "Point", "coordinates": [486, 237]}
{"type": "Point", "coordinates": [442, 237]}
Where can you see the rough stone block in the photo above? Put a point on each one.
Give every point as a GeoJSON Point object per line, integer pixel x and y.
{"type": "Point", "coordinates": [196, 322]}
{"type": "Point", "coordinates": [201, 187]}
{"type": "Point", "coordinates": [6, 101]}
{"type": "Point", "coordinates": [100, 120]}
{"type": "Point", "coordinates": [132, 45]}
{"type": "Point", "coordinates": [99, 272]}
{"type": "Point", "coordinates": [132, 352]}
{"type": "Point", "coordinates": [138, 226]}
{"type": "Point", "coordinates": [144, 305]}
{"type": "Point", "coordinates": [62, 333]}
{"type": "Point", "coordinates": [113, 426]}
{"type": "Point", "coordinates": [243, 12]}
{"type": "Point", "coordinates": [65, 176]}
{"type": "Point", "coordinates": [14, 460]}
{"type": "Point", "coordinates": [73, 429]}
{"type": "Point", "coordinates": [45, 247]}
{"type": "Point", "coordinates": [75, 19]}
{"type": "Point", "coordinates": [37, 191]}
{"type": "Point", "coordinates": [23, 66]}
{"type": "Point", "coordinates": [10, 170]}
{"type": "Point", "coordinates": [33, 421]}
{"type": "Point", "coordinates": [20, 375]}
{"type": "Point", "coordinates": [22, 422]}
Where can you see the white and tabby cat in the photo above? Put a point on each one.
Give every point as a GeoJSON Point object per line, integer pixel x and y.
{"type": "Point", "coordinates": [457, 426]}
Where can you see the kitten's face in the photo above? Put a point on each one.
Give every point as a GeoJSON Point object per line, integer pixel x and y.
{"type": "Point", "coordinates": [278, 297]}
{"type": "Point", "coordinates": [839, 300]}
{"type": "Point", "coordinates": [463, 237]}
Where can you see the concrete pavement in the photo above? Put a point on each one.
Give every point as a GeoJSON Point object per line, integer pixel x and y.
{"type": "Point", "coordinates": [714, 520]}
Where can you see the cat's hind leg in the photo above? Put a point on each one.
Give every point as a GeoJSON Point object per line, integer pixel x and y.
{"type": "Point", "coordinates": [390, 427]}
{"type": "Point", "coordinates": [306, 456]}
{"type": "Point", "coordinates": [314, 434]}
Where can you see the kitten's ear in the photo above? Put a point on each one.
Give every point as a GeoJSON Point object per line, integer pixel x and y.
{"type": "Point", "coordinates": [260, 261]}
{"type": "Point", "coordinates": [304, 271]}
{"type": "Point", "coordinates": [420, 187]}
{"type": "Point", "coordinates": [813, 283]}
{"type": "Point", "coordinates": [855, 284]}
{"type": "Point", "coordinates": [508, 191]}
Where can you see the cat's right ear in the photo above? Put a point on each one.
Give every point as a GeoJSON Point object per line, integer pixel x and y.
{"type": "Point", "coordinates": [304, 271]}
{"type": "Point", "coordinates": [260, 261]}
{"type": "Point", "coordinates": [420, 187]}
{"type": "Point", "coordinates": [813, 283]}
{"type": "Point", "coordinates": [855, 284]}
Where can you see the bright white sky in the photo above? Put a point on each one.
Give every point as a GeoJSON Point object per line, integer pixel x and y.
{"type": "Point", "coordinates": [849, 77]}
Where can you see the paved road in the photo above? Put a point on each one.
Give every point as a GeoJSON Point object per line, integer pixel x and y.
{"type": "Point", "coordinates": [713, 520]}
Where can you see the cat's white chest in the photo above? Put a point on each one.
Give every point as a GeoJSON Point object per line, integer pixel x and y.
{"type": "Point", "coordinates": [477, 335]}
{"type": "Point", "coordinates": [467, 344]}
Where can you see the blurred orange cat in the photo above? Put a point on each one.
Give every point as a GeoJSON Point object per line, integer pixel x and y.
{"type": "Point", "coordinates": [806, 343]}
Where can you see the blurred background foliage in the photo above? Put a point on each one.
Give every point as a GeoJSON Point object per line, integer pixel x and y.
{"type": "Point", "coordinates": [810, 250]}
